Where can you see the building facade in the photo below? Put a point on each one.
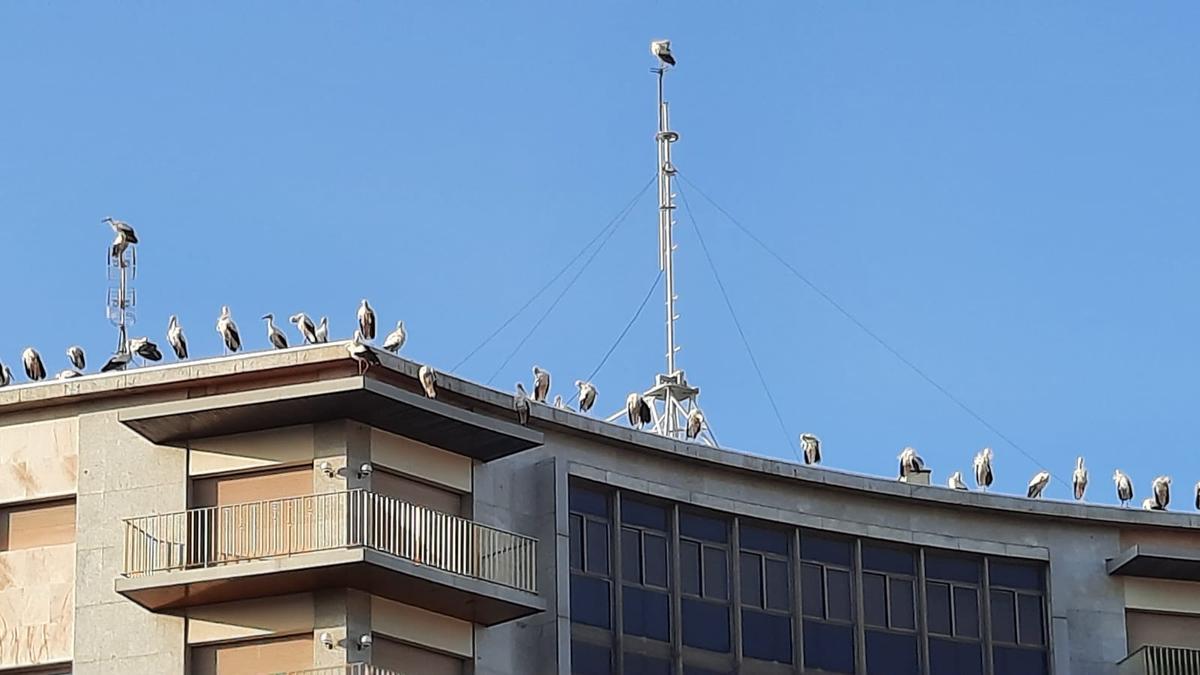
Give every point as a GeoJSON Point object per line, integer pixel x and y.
{"type": "Point", "coordinates": [281, 513]}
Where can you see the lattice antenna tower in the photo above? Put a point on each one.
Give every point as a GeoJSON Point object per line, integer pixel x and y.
{"type": "Point", "coordinates": [121, 296]}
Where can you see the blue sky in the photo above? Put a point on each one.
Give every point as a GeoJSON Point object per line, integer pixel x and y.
{"type": "Point", "coordinates": [1006, 193]}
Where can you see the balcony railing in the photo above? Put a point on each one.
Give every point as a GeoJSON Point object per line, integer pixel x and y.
{"type": "Point", "coordinates": [348, 669]}
{"type": "Point", "coordinates": [1156, 660]}
{"type": "Point", "coordinates": [224, 535]}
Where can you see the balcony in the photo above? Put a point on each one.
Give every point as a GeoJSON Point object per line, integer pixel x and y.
{"type": "Point", "coordinates": [1156, 660]}
{"type": "Point", "coordinates": [349, 539]}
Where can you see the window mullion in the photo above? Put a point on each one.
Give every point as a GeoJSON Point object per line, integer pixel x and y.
{"type": "Point", "coordinates": [859, 623]}
{"type": "Point", "coordinates": [735, 592]}
{"type": "Point", "coordinates": [922, 613]}
{"type": "Point", "coordinates": [618, 584]}
{"type": "Point", "coordinates": [985, 618]}
{"type": "Point", "coordinates": [797, 605]}
{"type": "Point", "coordinates": [676, 589]}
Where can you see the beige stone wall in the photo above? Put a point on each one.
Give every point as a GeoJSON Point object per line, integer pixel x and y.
{"type": "Point", "coordinates": [1162, 595]}
{"type": "Point", "coordinates": [421, 627]}
{"type": "Point", "coordinates": [434, 465]}
{"type": "Point", "coordinates": [38, 459]}
{"type": "Point", "coordinates": [264, 617]}
{"type": "Point", "coordinates": [260, 449]}
{"type": "Point", "coordinates": [1166, 630]}
{"type": "Point", "coordinates": [37, 605]}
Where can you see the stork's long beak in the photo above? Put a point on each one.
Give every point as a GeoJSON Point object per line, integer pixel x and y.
{"type": "Point", "coordinates": [266, 316]}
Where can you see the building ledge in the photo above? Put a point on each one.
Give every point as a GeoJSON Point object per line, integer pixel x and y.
{"type": "Point", "coordinates": [363, 399]}
{"type": "Point", "coordinates": [1156, 562]}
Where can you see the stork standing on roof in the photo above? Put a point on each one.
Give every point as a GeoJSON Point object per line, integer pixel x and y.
{"type": "Point", "coordinates": [956, 481]}
{"type": "Point", "coordinates": [695, 422]}
{"type": "Point", "coordinates": [117, 361]}
{"type": "Point", "coordinates": [428, 378]}
{"type": "Point", "coordinates": [275, 336]}
{"type": "Point", "coordinates": [541, 384]}
{"type": "Point", "coordinates": [1037, 485]}
{"type": "Point", "coordinates": [366, 320]}
{"type": "Point", "coordinates": [587, 395]}
{"type": "Point", "coordinates": [638, 411]}
{"type": "Point", "coordinates": [322, 333]}
{"type": "Point", "coordinates": [521, 404]}
{"type": "Point", "coordinates": [910, 462]}
{"type": "Point", "coordinates": [1124, 487]}
{"type": "Point", "coordinates": [1197, 484]}
{"type": "Point", "coordinates": [229, 330]}
{"type": "Point", "coordinates": [1161, 490]}
{"type": "Point", "coordinates": [361, 353]}
{"type": "Point", "coordinates": [76, 356]}
{"type": "Point", "coordinates": [1079, 479]}
{"type": "Point", "coordinates": [6, 378]}
{"type": "Point", "coordinates": [983, 469]}
{"type": "Point", "coordinates": [395, 340]}
{"type": "Point", "coordinates": [143, 347]}
{"type": "Point", "coordinates": [176, 338]}
{"type": "Point", "coordinates": [810, 445]}
{"type": "Point", "coordinates": [308, 331]}
{"type": "Point", "coordinates": [34, 368]}
{"type": "Point", "coordinates": [125, 236]}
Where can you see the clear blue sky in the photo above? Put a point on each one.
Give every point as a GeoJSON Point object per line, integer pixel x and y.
{"type": "Point", "coordinates": [1006, 193]}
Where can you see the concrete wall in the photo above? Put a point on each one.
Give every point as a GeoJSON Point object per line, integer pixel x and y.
{"type": "Point", "coordinates": [421, 627]}
{"type": "Point", "coordinates": [433, 465]}
{"type": "Point", "coordinates": [257, 450]}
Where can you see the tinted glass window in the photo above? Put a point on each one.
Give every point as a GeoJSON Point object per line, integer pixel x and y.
{"type": "Point", "coordinates": [1004, 617]}
{"type": "Point", "coordinates": [689, 566]}
{"type": "Point", "coordinates": [589, 659]}
{"type": "Point", "coordinates": [824, 549]}
{"type": "Point", "coordinates": [883, 559]}
{"type": "Point", "coordinates": [937, 597]}
{"type": "Point", "coordinates": [697, 670]}
{"type": "Point", "coordinates": [716, 573]}
{"type": "Point", "coordinates": [838, 594]}
{"type": "Point", "coordinates": [576, 542]}
{"type": "Point", "coordinates": [655, 560]}
{"type": "Point", "coordinates": [902, 603]}
{"type": "Point", "coordinates": [703, 527]}
{"type": "Point", "coordinates": [631, 555]}
{"type": "Point", "coordinates": [646, 613]}
{"type": "Point", "coordinates": [779, 594]}
{"type": "Point", "coordinates": [951, 568]}
{"type": "Point", "coordinates": [828, 647]}
{"type": "Point", "coordinates": [1032, 629]}
{"type": "Point", "coordinates": [596, 554]}
{"type": "Point", "coordinates": [875, 599]}
{"type": "Point", "coordinates": [947, 657]}
{"type": "Point", "coordinates": [1015, 576]}
{"type": "Point", "coordinates": [588, 501]}
{"type": "Point", "coordinates": [647, 515]}
{"type": "Point", "coordinates": [589, 601]}
{"type": "Point", "coordinates": [966, 612]}
{"type": "Point", "coordinates": [637, 664]}
{"type": "Point", "coordinates": [705, 625]}
{"type": "Point", "coordinates": [766, 636]}
{"type": "Point", "coordinates": [752, 579]}
{"type": "Point", "coordinates": [762, 539]}
{"type": "Point", "coordinates": [1016, 661]}
{"type": "Point", "coordinates": [891, 654]}
{"type": "Point", "coordinates": [812, 591]}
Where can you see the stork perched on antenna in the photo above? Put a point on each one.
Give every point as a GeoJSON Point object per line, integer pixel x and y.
{"type": "Point", "coordinates": [125, 236]}
{"type": "Point", "coordinates": [176, 338]}
{"type": "Point", "coordinates": [662, 50]}
{"type": "Point", "coordinates": [229, 330]}
{"type": "Point", "coordinates": [308, 330]}
{"type": "Point", "coordinates": [275, 336]}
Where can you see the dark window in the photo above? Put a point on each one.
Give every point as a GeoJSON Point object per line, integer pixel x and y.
{"type": "Point", "coordinates": [875, 599]}
{"type": "Point", "coordinates": [655, 550]}
{"type": "Point", "coordinates": [689, 567]}
{"type": "Point", "coordinates": [647, 515]}
{"type": "Point", "coordinates": [901, 603]}
{"type": "Point", "coordinates": [891, 653]}
{"type": "Point", "coordinates": [778, 590]}
{"type": "Point", "coordinates": [761, 539]}
{"type": "Point", "coordinates": [937, 597]}
{"type": "Point", "coordinates": [576, 542]}
{"type": "Point", "coordinates": [589, 659]}
{"type": "Point", "coordinates": [702, 527]}
{"type": "Point", "coordinates": [590, 601]}
{"type": "Point", "coordinates": [631, 555]}
{"type": "Point", "coordinates": [829, 647]}
{"type": "Point", "coordinates": [1025, 577]}
{"type": "Point", "coordinates": [952, 568]}
{"type": "Point", "coordinates": [1017, 661]}
{"type": "Point", "coordinates": [637, 664]}
{"type": "Point", "coordinates": [825, 549]}
{"type": "Point", "coordinates": [1029, 609]}
{"type": "Point", "coordinates": [646, 613]}
{"type": "Point", "coordinates": [950, 657]}
{"type": "Point", "coordinates": [1004, 617]}
{"type": "Point", "coordinates": [838, 583]}
{"type": "Point", "coordinates": [587, 501]}
{"type": "Point", "coordinates": [766, 636]}
{"type": "Point", "coordinates": [705, 625]}
{"type": "Point", "coordinates": [716, 573]}
{"type": "Point", "coordinates": [752, 579]}
{"type": "Point", "coordinates": [884, 559]}
{"type": "Point", "coordinates": [697, 670]}
{"type": "Point", "coordinates": [596, 548]}
{"type": "Point", "coordinates": [966, 612]}
{"type": "Point", "coordinates": [812, 590]}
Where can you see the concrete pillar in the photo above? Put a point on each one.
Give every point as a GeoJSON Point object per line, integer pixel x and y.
{"type": "Point", "coordinates": [345, 615]}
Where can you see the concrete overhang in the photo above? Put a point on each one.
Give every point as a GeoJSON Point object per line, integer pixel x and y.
{"type": "Point", "coordinates": [1156, 562]}
{"type": "Point", "coordinates": [387, 576]}
{"type": "Point", "coordinates": [366, 400]}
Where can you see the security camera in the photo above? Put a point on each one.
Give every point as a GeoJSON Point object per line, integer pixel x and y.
{"type": "Point", "coordinates": [327, 469]}
{"type": "Point", "coordinates": [364, 642]}
{"type": "Point", "coordinates": [327, 640]}
{"type": "Point", "coordinates": [365, 469]}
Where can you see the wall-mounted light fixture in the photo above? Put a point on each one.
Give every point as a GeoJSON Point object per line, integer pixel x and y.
{"type": "Point", "coordinates": [327, 469]}
{"type": "Point", "coordinates": [365, 470]}
{"type": "Point", "coordinates": [327, 640]}
{"type": "Point", "coordinates": [364, 641]}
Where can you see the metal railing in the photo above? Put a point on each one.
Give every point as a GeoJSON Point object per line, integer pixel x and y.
{"type": "Point", "coordinates": [222, 535]}
{"type": "Point", "coordinates": [348, 669]}
{"type": "Point", "coordinates": [1156, 660]}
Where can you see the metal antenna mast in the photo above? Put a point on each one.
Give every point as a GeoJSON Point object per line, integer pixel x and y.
{"type": "Point", "coordinates": [672, 399]}
{"type": "Point", "coordinates": [121, 298]}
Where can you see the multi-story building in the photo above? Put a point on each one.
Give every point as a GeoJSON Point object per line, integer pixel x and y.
{"type": "Point", "coordinates": [279, 512]}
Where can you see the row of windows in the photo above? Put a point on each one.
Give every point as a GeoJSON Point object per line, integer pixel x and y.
{"type": "Point", "coordinates": [853, 606]}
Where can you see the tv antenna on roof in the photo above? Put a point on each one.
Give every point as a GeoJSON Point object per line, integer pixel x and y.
{"type": "Point", "coordinates": [121, 296]}
{"type": "Point", "coordinates": [671, 398]}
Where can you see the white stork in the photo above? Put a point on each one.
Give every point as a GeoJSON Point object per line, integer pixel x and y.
{"type": "Point", "coordinates": [983, 469]}
{"type": "Point", "coordinates": [322, 333]}
{"type": "Point", "coordinates": [117, 361]}
{"type": "Point", "coordinates": [910, 462]}
{"type": "Point", "coordinates": [638, 411]}
{"type": "Point", "coordinates": [1161, 489]}
{"type": "Point", "coordinates": [308, 330]}
{"type": "Point", "coordinates": [143, 347]}
{"type": "Point", "coordinates": [366, 320]}
{"type": "Point", "coordinates": [395, 340]}
{"type": "Point", "coordinates": [125, 236]}
{"type": "Point", "coordinates": [662, 50]}
{"type": "Point", "coordinates": [275, 336]}
{"type": "Point", "coordinates": [1124, 487]}
{"type": "Point", "coordinates": [1037, 485]}
{"type": "Point", "coordinates": [34, 368]}
{"type": "Point", "coordinates": [541, 384]}
{"type": "Point", "coordinates": [695, 422]}
{"type": "Point", "coordinates": [176, 338]}
{"type": "Point", "coordinates": [521, 404]}
{"type": "Point", "coordinates": [428, 378]}
{"type": "Point", "coordinates": [229, 330]}
{"type": "Point", "coordinates": [6, 376]}
{"type": "Point", "coordinates": [810, 445]}
{"type": "Point", "coordinates": [76, 357]}
{"type": "Point", "coordinates": [587, 395]}
{"type": "Point", "coordinates": [956, 481]}
{"type": "Point", "coordinates": [361, 353]}
{"type": "Point", "coordinates": [1079, 479]}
